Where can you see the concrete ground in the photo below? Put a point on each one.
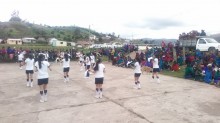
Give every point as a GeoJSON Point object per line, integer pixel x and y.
{"type": "Point", "coordinates": [174, 100]}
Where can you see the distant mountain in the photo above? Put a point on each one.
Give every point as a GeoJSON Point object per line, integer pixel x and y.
{"type": "Point", "coordinates": [15, 29]}
{"type": "Point", "coordinates": [216, 37]}
{"type": "Point", "coordinates": [156, 41]}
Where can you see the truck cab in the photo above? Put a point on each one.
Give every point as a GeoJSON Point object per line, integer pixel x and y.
{"type": "Point", "coordinates": [207, 44]}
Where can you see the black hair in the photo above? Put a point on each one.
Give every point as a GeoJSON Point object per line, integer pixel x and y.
{"type": "Point", "coordinates": [66, 57]}
{"type": "Point", "coordinates": [96, 68]}
{"type": "Point", "coordinates": [30, 56]}
{"type": "Point", "coordinates": [40, 59]}
{"type": "Point", "coordinates": [138, 60]}
{"type": "Point", "coordinates": [87, 55]}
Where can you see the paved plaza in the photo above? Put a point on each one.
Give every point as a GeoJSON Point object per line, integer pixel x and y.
{"type": "Point", "coordinates": [174, 100]}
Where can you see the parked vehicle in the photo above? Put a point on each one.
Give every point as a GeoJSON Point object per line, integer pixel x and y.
{"type": "Point", "coordinates": [201, 44]}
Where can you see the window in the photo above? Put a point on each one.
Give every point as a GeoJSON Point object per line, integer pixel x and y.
{"type": "Point", "coordinates": [61, 42]}
{"type": "Point", "coordinates": [202, 41]}
{"type": "Point", "coordinates": [210, 40]}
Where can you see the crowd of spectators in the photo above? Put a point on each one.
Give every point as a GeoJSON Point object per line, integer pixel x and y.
{"type": "Point", "coordinates": [200, 66]}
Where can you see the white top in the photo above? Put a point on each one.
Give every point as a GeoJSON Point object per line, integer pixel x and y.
{"type": "Point", "coordinates": [42, 73]}
{"type": "Point", "coordinates": [137, 67]}
{"type": "Point", "coordinates": [88, 62]}
{"type": "Point", "coordinates": [81, 58]}
{"type": "Point", "coordinates": [45, 55]}
{"type": "Point", "coordinates": [100, 72]}
{"type": "Point", "coordinates": [66, 63]}
{"type": "Point", "coordinates": [78, 54]}
{"type": "Point", "coordinates": [29, 64]}
{"type": "Point", "coordinates": [20, 57]}
{"type": "Point", "coordinates": [92, 58]}
{"type": "Point", "coordinates": [155, 63]}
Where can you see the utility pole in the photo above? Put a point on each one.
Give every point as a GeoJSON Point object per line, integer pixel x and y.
{"type": "Point", "coordinates": [89, 32]}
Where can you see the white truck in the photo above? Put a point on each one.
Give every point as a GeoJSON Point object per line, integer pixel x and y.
{"type": "Point", "coordinates": [201, 43]}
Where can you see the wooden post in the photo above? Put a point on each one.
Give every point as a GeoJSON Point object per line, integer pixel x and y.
{"type": "Point", "coordinates": [184, 55]}
{"type": "Point", "coordinates": [174, 54]}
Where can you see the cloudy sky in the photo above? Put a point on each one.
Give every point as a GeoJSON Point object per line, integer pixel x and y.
{"type": "Point", "coordinates": [127, 18]}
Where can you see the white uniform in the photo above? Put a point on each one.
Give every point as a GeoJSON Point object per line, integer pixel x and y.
{"type": "Point", "coordinates": [29, 64]}
{"type": "Point", "coordinates": [137, 67]}
{"type": "Point", "coordinates": [155, 63]}
{"type": "Point", "coordinates": [92, 59]}
{"type": "Point", "coordinates": [43, 72]}
{"type": "Point", "coordinates": [88, 62]}
{"type": "Point", "coordinates": [20, 57]}
{"type": "Point", "coordinates": [100, 73]}
{"type": "Point", "coordinates": [66, 64]}
{"type": "Point", "coordinates": [81, 58]}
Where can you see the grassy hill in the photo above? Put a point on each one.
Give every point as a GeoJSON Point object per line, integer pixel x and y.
{"type": "Point", "coordinates": [216, 37]}
{"type": "Point", "coordinates": [13, 29]}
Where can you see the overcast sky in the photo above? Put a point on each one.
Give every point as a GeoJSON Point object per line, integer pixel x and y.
{"type": "Point", "coordinates": [127, 18]}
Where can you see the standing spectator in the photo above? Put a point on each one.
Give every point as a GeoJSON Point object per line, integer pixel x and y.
{"type": "Point", "coordinates": [3, 52]}
{"type": "Point", "coordinates": [202, 33]}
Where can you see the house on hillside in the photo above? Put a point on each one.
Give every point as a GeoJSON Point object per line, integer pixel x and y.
{"type": "Point", "coordinates": [14, 41]}
{"type": "Point", "coordinates": [92, 37]}
{"type": "Point", "coordinates": [71, 44]}
{"type": "Point", "coordinates": [84, 43]}
{"type": "Point", "coordinates": [56, 43]}
{"type": "Point", "coordinates": [51, 40]}
{"type": "Point", "coordinates": [29, 40]}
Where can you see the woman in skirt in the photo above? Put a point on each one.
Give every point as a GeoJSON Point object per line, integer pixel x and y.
{"type": "Point", "coordinates": [88, 64]}
{"type": "Point", "coordinates": [92, 60]}
{"type": "Point", "coordinates": [81, 60]}
{"type": "Point", "coordinates": [156, 68]}
{"type": "Point", "coordinates": [137, 73]}
{"type": "Point", "coordinates": [99, 70]}
{"type": "Point", "coordinates": [66, 67]}
{"type": "Point", "coordinates": [29, 70]}
{"type": "Point", "coordinates": [43, 76]}
{"type": "Point", "coordinates": [20, 59]}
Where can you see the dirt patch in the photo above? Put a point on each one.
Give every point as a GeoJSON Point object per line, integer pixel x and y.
{"type": "Point", "coordinates": [211, 108]}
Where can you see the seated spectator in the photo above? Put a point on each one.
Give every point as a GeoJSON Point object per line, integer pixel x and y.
{"type": "Point", "coordinates": [120, 62]}
{"type": "Point", "coordinates": [180, 60]}
{"type": "Point", "coordinates": [198, 72]}
{"type": "Point", "coordinates": [189, 73]}
{"type": "Point", "coordinates": [216, 77]}
{"type": "Point", "coordinates": [175, 66]}
{"type": "Point", "coordinates": [208, 74]}
{"type": "Point", "coordinates": [167, 65]}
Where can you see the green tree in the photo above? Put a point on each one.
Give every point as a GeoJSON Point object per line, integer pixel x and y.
{"type": "Point", "coordinates": [77, 34]}
{"type": "Point", "coordinates": [100, 40]}
{"type": "Point", "coordinates": [58, 35]}
{"type": "Point", "coordinates": [15, 17]}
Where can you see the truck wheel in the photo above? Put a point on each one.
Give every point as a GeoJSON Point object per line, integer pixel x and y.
{"type": "Point", "coordinates": [211, 49]}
